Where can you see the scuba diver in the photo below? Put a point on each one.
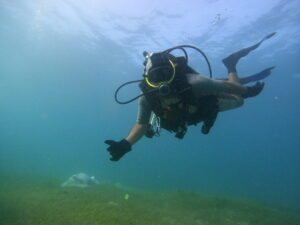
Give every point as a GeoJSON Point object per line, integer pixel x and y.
{"type": "Point", "coordinates": [177, 96]}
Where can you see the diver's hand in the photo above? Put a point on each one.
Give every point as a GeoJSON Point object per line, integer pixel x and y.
{"type": "Point", "coordinates": [118, 149]}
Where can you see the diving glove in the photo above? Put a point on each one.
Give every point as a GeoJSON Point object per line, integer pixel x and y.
{"type": "Point", "coordinates": [118, 149]}
{"type": "Point", "coordinates": [254, 90]}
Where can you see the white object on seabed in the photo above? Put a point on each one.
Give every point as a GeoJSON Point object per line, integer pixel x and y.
{"type": "Point", "coordinates": [80, 180]}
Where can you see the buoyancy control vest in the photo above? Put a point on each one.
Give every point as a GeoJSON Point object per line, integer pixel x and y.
{"type": "Point", "coordinates": [177, 117]}
{"type": "Point", "coordinates": [166, 76]}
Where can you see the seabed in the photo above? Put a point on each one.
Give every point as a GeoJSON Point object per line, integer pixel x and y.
{"type": "Point", "coordinates": [41, 201]}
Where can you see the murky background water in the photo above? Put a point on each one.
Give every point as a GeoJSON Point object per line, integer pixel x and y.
{"type": "Point", "coordinates": [61, 61]}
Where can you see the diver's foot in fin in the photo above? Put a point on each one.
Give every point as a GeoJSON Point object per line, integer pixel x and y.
{"type": "Point", "coordinates": [262, 74]}
{"type": "Point", "coordinates": [268, 36]}
{"type": "Point", "coordinates": [266, 72]}
{"type": "Point", "coordinates": [231, 61]}
{"type": "Point", "coordinates": [254, 90]}
{"type": "Point", "coordinates": [258, 76]}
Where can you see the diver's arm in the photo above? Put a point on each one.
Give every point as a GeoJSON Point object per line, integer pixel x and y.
{"type": "Point", "coordinates": [142, 121]}
{"type": "Point", "coordinates": [136, 133]}
{"type": "Point", "coordinates": [117, 149]}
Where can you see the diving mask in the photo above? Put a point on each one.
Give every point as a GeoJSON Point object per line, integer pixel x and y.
{"type": "Point", "coordinates": [159, 70]}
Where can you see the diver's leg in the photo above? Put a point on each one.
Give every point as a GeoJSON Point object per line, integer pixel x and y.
{"type": "Point", "coordinates": [228, 102]}
{"type": "Point", "coordinates": [234, 87]}
{"type": "Point", "coordinates": [231, 61]}
{"type": "Point", "coordinates": [205, 86]}
{"type": "Point", "coordinates": [254, 90]}
{"type": "Point", "coordinates": [233, 77]}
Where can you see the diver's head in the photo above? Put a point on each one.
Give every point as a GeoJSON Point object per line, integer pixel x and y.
{"type": "Point", "coordinates": [159, 71]}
